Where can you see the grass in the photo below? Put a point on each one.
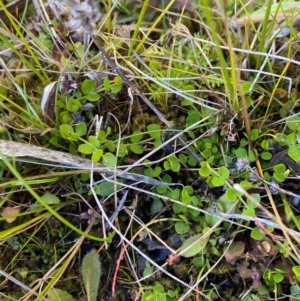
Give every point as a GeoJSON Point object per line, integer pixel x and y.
{"type": "Point", "coordinates": [164, 157]}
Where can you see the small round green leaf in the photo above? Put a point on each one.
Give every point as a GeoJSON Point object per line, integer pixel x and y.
{"type": "Point", "coordinates": [177, 208]}
{"type": "Point", "coordinates": [136, 137]}
{"type": "Point", "coordinates": [231, 194]}
{"type": "Point", "coordinates": [156, 205]}
{"type": "Point", "coordinates": [81, 129]}
{"type": "Point", "coordinates": [156, 172]}
{"type": "Point", "coordinates": [50, 198]}
{"type": "Point", "coordinates": [109, 160]}
{"type": "Point", "coordinates": [106, 188]}
{"type": "Point", "coordinates": [296, 270]}
{"type": "Point", "coordinates": [279, 168]}
{"type": "Point", "coordinates": [204, 171]}
{"type": "Point", "coordinates": [265, 144]}
{"type": "Point", "coordinates": [257, 234]}
{"type": "Point", "coordinates": [86, 149]}
{"type": "Point", "coordinates": [241, 153]}
{"type": "Point", "coordinates": [182, 227]}
{"type": "Point", "coordinates": [266, 155]}
{"type": "Point", "coordinates": [217, 182]}
{"type": "Point", "coordinates": [66, 130]}
{"type": "Point", "coordinates": [154, 131]}
{"type": "Point", "coordinates": [246, 185]}
{"type": "Point", "coordinates": [94, 141]}
{"type": "Point", "coordinates": [224, 172]}
{"type": "Point", "coordinates": [97, 155]}
{"type": "Point", "coordinates": [137, 149]}
{"type": "Point", "coordinates": [198, 262]}
{"type": "Point", "coordinates": [278, 277]}
{"type": "Point", "coordinates": [116, 88]}
{"type": "Point", "coordinates": [193, 117]}
{"type": "Point", "coordinates": [254, 134]}
{"type": "Point", "coordinates": [174, 163]}
{"type": "Point", "coordinates": [106, 84]}
{"type": "Point", "coordinates": [291, 139]}
{"type": "Point", "coordinates": [192, 162]}
{"type": "Point", "coordinates": [294, 153]}
{"type": "Point", "coordinates": [88, 86]}
{"type": "Point", "coordinates": [92, 97]}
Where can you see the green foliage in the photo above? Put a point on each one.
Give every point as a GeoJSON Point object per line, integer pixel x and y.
{"type": "Point", "coordinates": [114, 86]}
{"type": "Point", "coordinates": [252, 297]}
{"type": "Point", "coordinates": [257, 234]}
{"type": "Point", "coordinates": [195, 244]}
{"type": "Point", "coordinates": [49, 199]}
{"type": "Point", "coordinates": [136, 149]}
{"type": "Point", "coordinates": [254, 134]}
{"type": "Point", "coordinates": [295, 292]}
{"type": "Point", "coordinates": [154, 130]}
{"type": "Point", "coordinates": [296, 270]}
{"type": "Point", "coordinates": [88, 86]}
{"type": "Point", "coordinates": [157, 293]}
{"type": "Point", "coordinates": [196, 84]}
{"type": "Point", "coordinates": [182, 227]}
{"type": "Point", "coordinates": [106, 188]}
{"type": "Point", "coordinates": [91, 274]}
{"type": "Point", "coordinates": [109, 160]}
{"type": "Point", "coordinates": [280, 172]}
{"type": "Point", "coordinates": [172, 163]}
{"type": "Point", "coordinates": [56, 294]}
{"type": "Point", "coordinates": [198, 262]}
{"type": "Point", "coordinates": [136, 136]}
{"type": "Point", "coordinates": [273, 278]}
{"type": "Point", "coordinates": [294, 153]}
{"type": "Point", "coordinates": [231, 194]}
{"type": "Point", "coordinates": [215, 178]}
{"type": "Point", "coordinates": [88, 89]}
{"type": "Point", "coordinates": [148, 271]}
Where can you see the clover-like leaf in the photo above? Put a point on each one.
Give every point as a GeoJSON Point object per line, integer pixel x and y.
{"type": "Point", "coordinates": [66, 130]}
{"type": "Point", "coordinates": [88, 86]}
{"type": "Point", "coordinates": [109, 160]}
{"type": "Point", "coordinates": [137, 149]}
{"type": "Point", "coordinates": [257, 234]}
{"type": "Point", "coordinates": [85, 148]}
{"type": "Point", "coordinates": [217, 181]}
{"type": "Point", "coordinates": [294, 153]}
{"type": "Point", "coordinates": [136, 137]}
{"type": "Point", "coordinates": [81, 129]}
{"type": "Point", "coordinates": [154, 131]}
{"type": "Point", "coordinates": [223, 172]}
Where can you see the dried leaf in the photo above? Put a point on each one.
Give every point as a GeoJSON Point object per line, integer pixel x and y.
{"type": "Point", "coordinates": [236, 249]}
{"type": "Point", "coordinates": [245, 273]}
{"type": "Point", "coordinates": [281, 93]}
{"type": "Point", "coordinates": [281, 156]}
{"type": "Point", "coordinates": [31, 130]}
{"type": "Point", "coordinates": [48, 103]}
{"type": "Point", "coordinates": [7, 211]}
{"type": "Point", "coordinates": [57, 52]}
{"type": "Point", "coordinates": [17, 149]}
